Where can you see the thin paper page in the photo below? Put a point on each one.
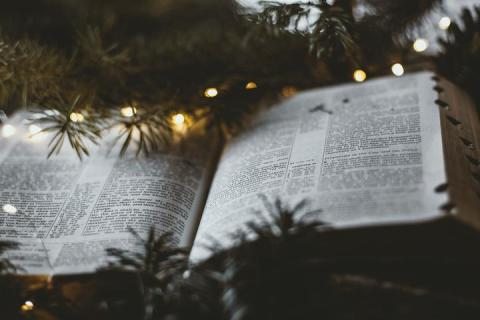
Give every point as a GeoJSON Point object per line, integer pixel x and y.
{"type": "Point", "coordinates": [68, 212]}
{"type": "Point", "coordinates": [363, 154]}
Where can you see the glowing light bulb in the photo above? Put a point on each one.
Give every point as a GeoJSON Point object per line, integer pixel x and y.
{"type": "Point", "coordinates": [251, 85]}
{"type": "Point", "coordinates": [34, 129]}
{"type": "Point", "coordinates": [8, 208]}
{"type": "Point", "coordinates": [8, 130]}
{"type": "Point", "coordinates": [178, 119]}
{"type": "Point", "coordinates": [76, 117]}
{"type": "Point", "coordinates": [27, 306]}
{"type": "Point", "coordinates": [211, 92]}
{"type": "Point", "coordinates": [359, 75]}
{"type": "Point", "coordinates": [420, 45]}
{"type": "Point", "coordinates": [444, 23]}
{"type": "Point", "coordinates": [128, 111]}
{"type": "Point", "coordinates": [397, 69]}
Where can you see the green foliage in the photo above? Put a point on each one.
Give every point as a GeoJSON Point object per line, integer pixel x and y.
{"type": "Point", "coordinates": [64, 125]}
{"type": "Point", "coordinates": [397, 16]}
{"type": "Point", "coordinates": [217, 289]}
{"type": "Point", "coordinates": [459, 60]}
{"type": "Point", "coordinates": [284, 266]}
{"type": "Point", "coordinates": [95, 58]}
{"type": "Point", "coordinates": [152, 127]}
{"type": "Point", "coordinates": [159, 263]}
{"type": "Point", "coordinates": [29, 72]}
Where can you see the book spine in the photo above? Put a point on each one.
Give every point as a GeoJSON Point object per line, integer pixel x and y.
{"type": "Point", "coordinates": [460, 130]}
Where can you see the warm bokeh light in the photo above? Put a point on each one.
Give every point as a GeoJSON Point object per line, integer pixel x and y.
{"type": "Point", "coordinates": [211, 92]}
{"type": "Point", "coordinates": [27, 306]}
{"type": "Point", "coordinates": [359, 75]}
{"type": "Point", "coordinates": [397, 69]}
{"type": "Point", "coordinates": [8, 208]}
{"type": "Point", "coordinates": [444, 23]}
{"type": "Point", "coordinates": [289, 91]}
{"type": "Point", "coordinates": [128, 111]}
{"type": "Point", "coordinates": [251, 85]}
{"type": "Point", "coordinates": [420, 45]}
{"type": "Point", "coordinates": [180, 123]}
{"type": "Point", "coordinates": [178, 119]}
{"type": "Point", "coordinates": [8, 130]}
{"type": "Point", "coordinates": [76, 117]}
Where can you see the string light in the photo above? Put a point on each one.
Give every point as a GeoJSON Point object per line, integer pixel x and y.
{"type": "Point", "coordinates": [128, 111]}
{"type": "Point", "coordinates": [359, 75]}
{"type": "Point", "coordinates": [211, 92]}
{"type": "Point", "coordinates": [180, 123]}
{"type": "Point", "coordinates": [27, 306]}
{"type": "Point", "coordinates": [8, 130]}
{"type": "Point", "coordinates": [397, 69]}
{"type": "Point", "coordinates": [288, 91]}
{"type": "Point", "coordinates": [251, 85]}
{"type": "Point", "coordinates": [76, 117]}
{"type": "Point", "coordinates": [444, 23]}
{"type": "Point", "coordinates": [178, 119]}
{"type": "Point", "coordinates": [420, 45]}
{"type": "Point", "coordinates": [10, 209]}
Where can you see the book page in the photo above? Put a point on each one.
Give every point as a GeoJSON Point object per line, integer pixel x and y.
{"type": "Point", "coordinates": [67, 211]}
{"type": "Point", "coordinates": [363, 154]}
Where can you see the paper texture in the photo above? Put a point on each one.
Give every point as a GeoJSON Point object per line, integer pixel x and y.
{"type": "Point", "coordinates": [362, 154]}
{"type": "Point", "coordinates": [69, 212]}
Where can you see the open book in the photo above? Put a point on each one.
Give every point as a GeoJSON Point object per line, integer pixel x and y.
{"type": "Point", "coordinates": [362, 154]}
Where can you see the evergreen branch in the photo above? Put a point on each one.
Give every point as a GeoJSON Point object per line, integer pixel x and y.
{"type": "Point", "coordinates": [149, 129]}
{"type": "Point", "coordinates": [279, 16]}
{"type": "Point", "coordinates": [159, 263]}
{"type": "Point", "coordinates": [76, 124]}
{"type": "Point", "coordinates": [159, 260]}
{"type": "Point", "coordinates": [396, 16]}
{"type": "Point", "coordinates": [30, 73]}
{"type": "Point", "coordinates": [166, 54]}
{"type": "Point", "coordinates": [278, 231]}
{"type": "Point", "coordinates": [331, 33]}
{"type": "Point", "coordinates": [459, 60]}
{"type": "Point", "coordinates": [93, 47]}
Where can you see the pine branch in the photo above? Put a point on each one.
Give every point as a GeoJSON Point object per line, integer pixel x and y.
{"type": "Point", "coordinates": [459, 60]}
{"type": "Point", "coordinates": [150, 129]}
{"type": "Point", "coordinates": [159, 263]}
{"type": "Point", "coordinates": [91, 42]}
{"type": "Point", "coordinates": [79, 124]}
{"type": "Point", "coordinates": [397, 16]}
{"type": "Point", "coordinates": [331, 33]}
{"type": "Point", "coordinates": [163, 55]}
{"type": "Point", "coordinates": [276, 232]}
{"type": "Point", "coordinates": [277, 17]}
{"type": "Point", "coordinates": [30, 73]}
